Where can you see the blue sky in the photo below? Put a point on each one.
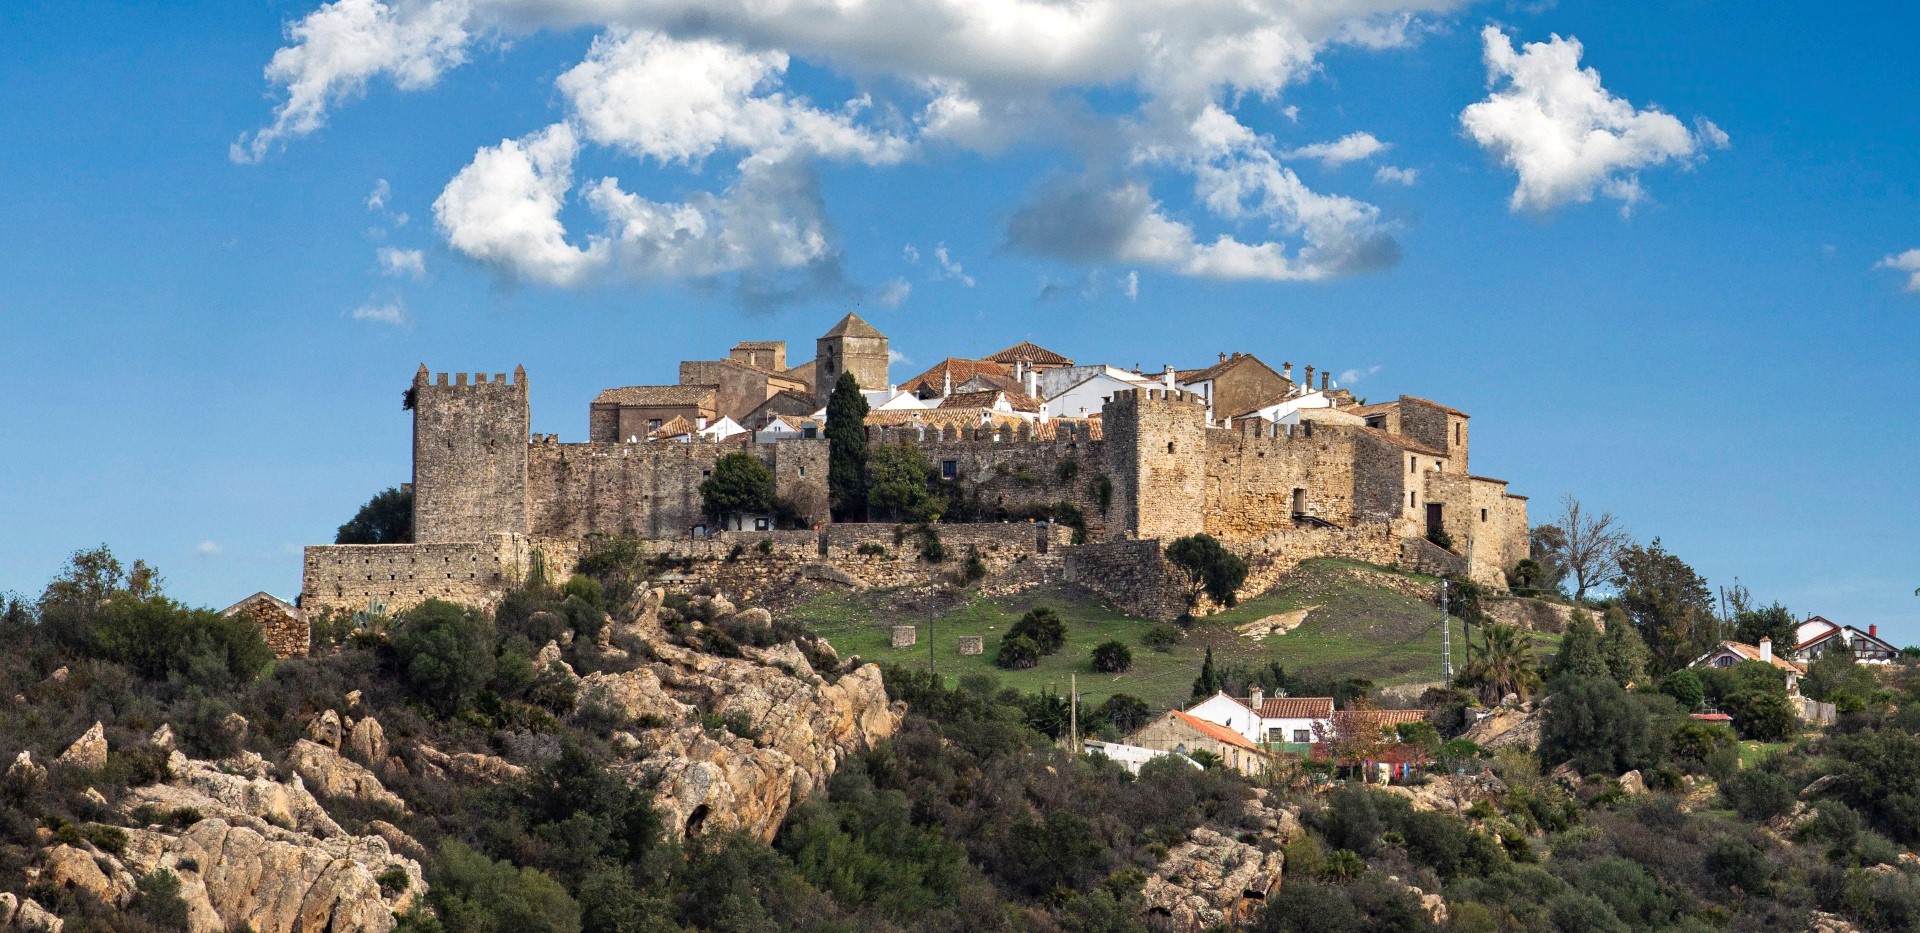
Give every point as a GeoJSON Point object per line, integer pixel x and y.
{"type": "Point", "coordinates": [204, 345]}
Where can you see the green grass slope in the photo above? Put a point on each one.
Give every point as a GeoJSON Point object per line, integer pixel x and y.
{"type": "Point", "coordinates": [1364, 624]}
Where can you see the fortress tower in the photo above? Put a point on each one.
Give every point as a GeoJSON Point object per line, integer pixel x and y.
{"type": "Point", "coordinates": [1156, 446]}
{"type": "Point", "coordinates": [854, 346]}
{"type": "Point", "coordinates": [469, 456]}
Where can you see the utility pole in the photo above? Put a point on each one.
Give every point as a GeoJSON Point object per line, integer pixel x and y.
{"type": "Point", "coordinates": [1446, 637]}
{"type": "Point", "coordinates": [1073, 713]}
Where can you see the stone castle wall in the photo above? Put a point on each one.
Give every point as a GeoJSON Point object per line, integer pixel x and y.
{"type": "Point", "coordinates": [1156, 442]}
{"type": "Point", "coordinates": [1253, 474]}
{"type": "Point", "coordinates": [469, 456]}
{"type": "Point", "coordinates": [653, 490]}
{"type": "Point", "coordinates": [1015, 474]}
{"type": "Point", "coordinates": [344, 577]}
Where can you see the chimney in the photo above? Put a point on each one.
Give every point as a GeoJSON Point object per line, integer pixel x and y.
{"type": "Point", "coordinates": [1223, 356]}
{"type": "Point", "coordinates": [1167, 376]}
{"type": "Point", "coordinates": [1308, 385]}
{"type": "Point", "coordinates": [1324, 377]}
{"type": "Point", "coordinates": [1286, 371]}
{"type": "Point", "coordinates": [700, 423]}
{"type": "Point", "coordinates": [1766, 650]}
{"type": "Point", "coordinates": [946, 385]}
{"type": "Point", "coordinates": [1255, 700]}
{"type": "Point", "coordinates": [1873, 630]}
{"type": "Point", "coordinates": [1032, 383]}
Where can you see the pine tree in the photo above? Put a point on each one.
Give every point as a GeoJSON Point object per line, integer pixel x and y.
{"type": "Point", "coordinates": [1208, 683]}
{"type": "Point", "coordinates": [847, 450]}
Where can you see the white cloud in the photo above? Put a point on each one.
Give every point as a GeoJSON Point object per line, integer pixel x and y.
{"type": "Point", "coordinates": [207, 548]}
{"type": "Point", "coordinates": [893, 294]}
{"type": "Point", "coordinates": [402, 262]}
{"type": "Point", "coordinates": [334, 50]}
{"type": "Point", "coordinates": [1131, 284]}
{"type": "Point", "coordinates": [911, 254]}
{"type": "Point", "coordinates": [681, 84]}
{"type": "Point", "coordinates": [1565, 135]}
{"type": "Point", "coordinates": [1350, 376]}
{"type": "Point", "coordinates": [377, 198]}
{"type": "Point", "coordinates": [1908, 262]}
{"type": "Point", "coordinates": [895, 357]}
{"type": "Point", "coordinates": [1395, 175]}
{"type": "Point", "coordinates": [1353, 147]}
{"type": "Point", "coordinates": [949, 269]}
{"type": "Point", "coordinates": [391, 313]}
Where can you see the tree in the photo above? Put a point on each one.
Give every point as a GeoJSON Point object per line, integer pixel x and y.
{"type": "Point", "coordinates": [1768, 717]}
{"type": "Point", "coordinates": [1775, 622]}
{"type": "Point", "coordinates": [1668, 602]}
{"type": "Point", "coordinates": [1017, 653]}
{"type": "Point", "coordinates": [1626, 653]}
{"type": "Point", "coordinates": [1124, 712]}
{"type": "Point", "coordinates": [847, 450]}
{"type": "Point", "coordinates": [68, 605]}
{"type": "Point", "coordinates": [899, 483]}
{"type": "Point", "coordinates": [1546, 545]}
{"type": "Point", "coordinates": [474, 894]}
{"type": "Point", "coordinates": [1208, 683]}
{"type": "Point", "coordinates": [445, 653]}
{"type": "Point", "coordinates": [1504, 664]}
{"type": "Point", "coordinates": [1112, 658]}
{"type": "Point", "coordinates": [1043, 626]}
{"type": "Point", "coordinates": [1582, 651]}
{"type": "Point", "coordinates": [1685, 688]}
{"type": "Point", "coordinates": [1589, 545]}
{"type": "Point", "coordinates": [1596, 725]}
{"type": "Point", "coordinates": [387, 518]}
{"type": "Point", "coordinates": [1210, 568]}
{"type": "Point", "coordinates": [740, 485]}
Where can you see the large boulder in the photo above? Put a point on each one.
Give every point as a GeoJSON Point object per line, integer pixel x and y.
{"type": "Point", "coordinates": [1508, 726]}
{"type": "Point", "coordinates": [326, 771]}
{"type": "Point", "coordinates": [88, 751]}
{"type": "Point", "coordinates": [326, 730]}
{"type": "Point", "coordinates": [367, 741]}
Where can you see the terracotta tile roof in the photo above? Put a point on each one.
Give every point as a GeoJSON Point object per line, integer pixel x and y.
{"type": "Point", "coordinates": [852, 326]}
{"type": "Point", "coordinates": [1404, 443]}
{"type": "Point", "coordinates": [1217, 369]}
{"type": "Point", "coordinates": [675, 427]}
{"type": "Point", "coordinates": [1295, 707]}
{"type": "Point", "coordinates": [1216, 732]}
{"type": "Point", "coordinates": [1751, 653]}
{"type": "Point", "coordinates": [971, 399]}
{"type": "Point", "coordinates": [759, 345]}
{"type": "Point", "coordinates": [1379, 718]}
{"type": "Point", "coordinates": [1393, 753]}
{"type": "Point", "coordinates": [1422, 401]}
{"type": "Point", "coordinates": [1027, 352]}
{"type": "Point", "coordinates": [1377, 408]}
{"type": "Point", "coordinates": [275, 601]}
{"type": "Point", "coordinates": [961, 370]}
{"type": "Point", "coordinates": [701, 395]}
{"type": "Point", "coordinates": [1711, 717]}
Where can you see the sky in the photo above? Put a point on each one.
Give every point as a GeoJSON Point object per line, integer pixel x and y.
{"type": "Point", "coordinates": [1667, 254]}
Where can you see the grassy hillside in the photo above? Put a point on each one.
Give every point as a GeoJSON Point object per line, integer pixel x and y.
{"type": "Point", "coordinates": [1363, 625]}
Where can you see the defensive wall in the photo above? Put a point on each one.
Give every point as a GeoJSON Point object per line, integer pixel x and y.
{"type": "Point", "coordinates": [348, 577]}
{"type": "Point", "coordinates": [652, 490]}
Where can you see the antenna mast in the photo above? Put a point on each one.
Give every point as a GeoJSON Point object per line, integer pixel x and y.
{"type": "Point", "coordinates": [1446, 637]}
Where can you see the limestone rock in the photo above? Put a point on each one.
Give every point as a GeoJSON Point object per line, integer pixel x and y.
{"type": "Point", "coordinates": [326, 771]}
{"type": "Point", "coordinates": [325, 729]}
{"type": "Point", "coordinates": [1450, 793]}
{"type": "Point", "coordinates": [1504, 727]}
{"type": "Point", "coordinates": [1276, 624]}
{"type": "Point", "coordinates": [235, 727]}
{"type": "Point", "coordinates": [1632, 783]}
{"type": "Point", "coordinates": [549, 657]}
{"type": "Point", "coordinates": [94, 797]}
{"type": "Point", "coordinates": [1211, 881]}
{"type": "Point", "coordinates": [162, 738]}
{"type": "Point", "coordinates": [466, 767]}
{"type": "Point", "coordinates": [353, 698]}
{"type": "Point", "coordinates": [88, 751]}
{"type": "Point", "coordinates": [9, 905]}
{"type": "Point", "coordinates": [24, 773]}
{"type": "Point", "coordinates": [34, 918]}
{"type": "Point", "coordinates": [367, 741]}
{"type": "Point", "coordinates": [255, 800]}
{"type": "Point", "coordinates": [59, 675]}
{"type": "Point", "coordinates": [755, 616]}
{"type": "Point", "coordinates": [73, 869]}
{"type": "Point", "coordinates": [1823, 922]}
{"type": "Point", "coordinates": [397, 839]}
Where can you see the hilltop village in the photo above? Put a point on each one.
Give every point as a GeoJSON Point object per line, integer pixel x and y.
{"type": "Point", "coordinates": [1276, 467]}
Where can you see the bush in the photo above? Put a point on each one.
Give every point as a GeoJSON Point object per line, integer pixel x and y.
{"type": "Point", "coordinates": [1597, 726]}
{"type": "Point", "coordinates": [445, 653]}
{"type": "Point", "coordinates": [1210, 568]}
{"type": "Point", "coordinates": [157, 899]}
{"type": "Point", "coordinates": [1685, 688]}
{"type": "Point", "coordinates": [1758, 795]}
{"type": "Point", "coordinates": [975, 569]}
{"type": "Point", "coordinates": [1162, 637]}
{"type": "Point", "coordinates": [739, 485]}
{"type": "Point", "coordinates": [1112, 658]}
{"type": "Point", "coordinates": [387, 518]}
{"type": "Point", "coordinates": [1122, 711]}
{"type": "Point", "coordinates": [1043, 627]}
{"type": "Point", "coordinates": [1768, 718]}
{"type": "Point", "coordinates": [1737, 863]}
{"type": "Point", "coordinates": [474, 894]}
{"type": "Point", "coordinates": [1440, 538]}
{"type": "Point", "coordinates": [1017, 653]}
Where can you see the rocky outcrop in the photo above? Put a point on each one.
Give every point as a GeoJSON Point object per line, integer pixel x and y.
{"type": "Point", "coordinates": [1508, 726]}
{"type": "Point", "coordinates": [788, 729]}
{"type": "Point", "coordinates": [465, 767]}
{"type": "Point", "coordinates": [88, 751]}
{"type": "Point", "coordinates": [367, 741]}
{"type": "Point", "coordinates": [326, 771]}
{"type": "Point", "coordinates": [68, 867]}
{"type": "Point", "coordinates": [1449, 792]}
{"type": "Point", "coordinates": [27, 916]}
{"type": "Point", "coordinates": [1212, 880]}
{"type": "Point", "coordinates": [325, 729]}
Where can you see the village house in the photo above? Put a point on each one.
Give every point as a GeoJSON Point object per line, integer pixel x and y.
{"type": "Point", "coordinates": [1732, 653]}
{"type": "Point", "coordinates": [283, 626]}
{"type": "Point", "coordinates": [1282, 723]}
{"type": "Point", "coordinates": [1178, 732]}
{"type": "Point", "coordinates": [1817, 636]}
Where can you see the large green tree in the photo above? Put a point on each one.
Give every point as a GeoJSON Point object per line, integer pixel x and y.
{"type": "Point", "coordinates": [1668, 602]}
{"type": "Point", "coordinates": [1504, 664]}
{"type": "Point", "coordinates": [740, 485]}
{"type": "Point", "coordinates": [900, 483]}
{"type": "Point", "coordinates": [1775, 622]}
{"type": "Point", "coordinates": [445, 653]}
{"type": "Point", "coordinates": [847, 450]}
{"type": "Point", "coordinates": [1210, 568]}
{"type": "Point", "coordinates": [387, 518]}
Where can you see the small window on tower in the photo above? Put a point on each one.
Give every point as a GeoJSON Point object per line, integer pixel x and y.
{"type": "Point", "coordinates": [1412, 465]}
{"type": "Point", "coordinates": [1483, 515]}
{"type": "Point", "coordinates": [949, 469]}
{"type": "Point", "coordinates": [1169, 447]}
{"type": "Point", "coordinates": [1456, 432]}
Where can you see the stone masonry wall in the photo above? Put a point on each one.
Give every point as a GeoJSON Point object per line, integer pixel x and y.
{"type": "Point", "coordinates": [1156, 444]}
{"type": "Point", "coordinates": [288, 635]}
{"type": "Point", "coordinates": [469, 456]}
{"type": "Point", "coordinates": [1013, 472]}
{"type": "Point", "coordinates": [653, 489]}
{"type": "Point", "coordinates": [1252, 476]}
{"type": "Point", "coordinates": [343, 577]}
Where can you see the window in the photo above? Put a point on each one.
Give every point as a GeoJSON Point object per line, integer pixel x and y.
{"type": "Point", "coordinates": [1303, 736]}
{"type": "Point", "coordinates": [1412, 465]}
{"type": "Point", "coordinates": [810, 432]}
{"type": "Point", "coordinates": [803, 471]}
{"type": "Point", "coordinates": [1437, 465]}
{"type": "Point", "coordinates": [1169, 447]}
{"type": "Point", "coordinates": [706, 474]}
{"type": "Point", "coordinates": [949, 469]}
{"type": "Point", "coordinates": [1456, 432]}
{"type": "Point", "coordinates": [1411, 502]}
{"type": "Point", "coordinates": [1483, 515]}
{"type": "Point", "coordinates": [653, 424]}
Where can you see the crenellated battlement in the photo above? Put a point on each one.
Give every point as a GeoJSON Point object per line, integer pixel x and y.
{"type": "Point", "coordinates": [421, 379]}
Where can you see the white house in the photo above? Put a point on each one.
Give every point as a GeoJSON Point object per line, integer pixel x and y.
{"type": "Point", "coordinates": [1087, 396]}
{"type": "Point", "coordinates": [1817, 636]}
{"type": "Point", "coordinates": [778, 429]}
{"type": "Point", "coordinates": [1132, 757]}
{"type": "Point", "coordinates": [1270, 720]}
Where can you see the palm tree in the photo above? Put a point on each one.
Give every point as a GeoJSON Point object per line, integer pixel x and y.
{"type": "Point", "coordinates": [1505, 664]}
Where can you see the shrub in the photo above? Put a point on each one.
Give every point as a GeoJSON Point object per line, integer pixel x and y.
{"type": "Point", "coordinates": [1017, 653]}
{"type": "Point", "coordinates": [1758, 795]}
{"type": "Point", "coordinates": [1161, 637]}
{"type": "Point", "coordinates": [1768, 718]}
{"type": "Point", "coordinates": [471, 892]}
{"type": "Point", "coordinates": [1440, 537]}
{"type": "Point", "coordinates": [1737, 863]}
{"type": "Point", "coordinates": [158, 899]}
{"type": "Point", "coordinates": [1597, 726]}
{"type": "Point", "coordinates": [1210, 568]}
{"type": "Point", "coordinates": [1043, 627]}
{"type": "Point", "coordinates": [975, 569]}
{"type": "Point", "coordinates": [1685, 688]}
{"type": "Point", "coordinates": [931, 549]}
{"type": "Point", "coordinates": [765, 547]}
{"type": "Point", "coordinates": [1122, 711]}
{"type": "Point", "coordinates": [387, 518]}
{"type": "Point", "coordinates": [871, 549]}
{"type": "Point", "coordinates": [740, 485]}
{"type": "Point", "coordinates": [445, 653]}
{"type": "Point", "coordinates": [1112, 658]}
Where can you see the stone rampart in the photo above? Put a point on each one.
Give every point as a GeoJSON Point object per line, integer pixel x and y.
{"type": "Point", "coordinates": [346, 577]}
{"type": "Point", "coordinates": [653, 489]}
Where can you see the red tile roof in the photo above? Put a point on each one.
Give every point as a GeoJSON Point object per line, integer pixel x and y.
{"type": "Point", "coordinates": [1379, 718]}
{"type": "Point", "coordinates": [1751, 653]}
{"type": "Point", "coordinates": [1027, 352]}
{"type": "Point", "coordinates": [1430, 402]}
{"type": "Point", "coordinates": [701, 395]}
{"type": "Point", "coordinates": [961, 370]}
{"type": "Point", "coordinates": [1216, 731]}
{"type": "Point", "coordinates": [1403, 442]}
{"type": "Point", "coordinates": [1294, 707]}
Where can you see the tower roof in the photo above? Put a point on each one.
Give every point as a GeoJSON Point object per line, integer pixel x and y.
{"type": "Point", "coordinates": [1025, 351]}
{"type": "Point", "coordinates": [852, 326]}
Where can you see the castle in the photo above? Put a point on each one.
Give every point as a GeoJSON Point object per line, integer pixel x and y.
{"type": "Point", "coordinates": [1275, 468]}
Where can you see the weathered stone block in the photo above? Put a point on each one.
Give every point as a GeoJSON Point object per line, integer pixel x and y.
{"type": "Point", "coordinates": [904, 636]}
{"type": "Point", "coordinates": [971, 645]}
